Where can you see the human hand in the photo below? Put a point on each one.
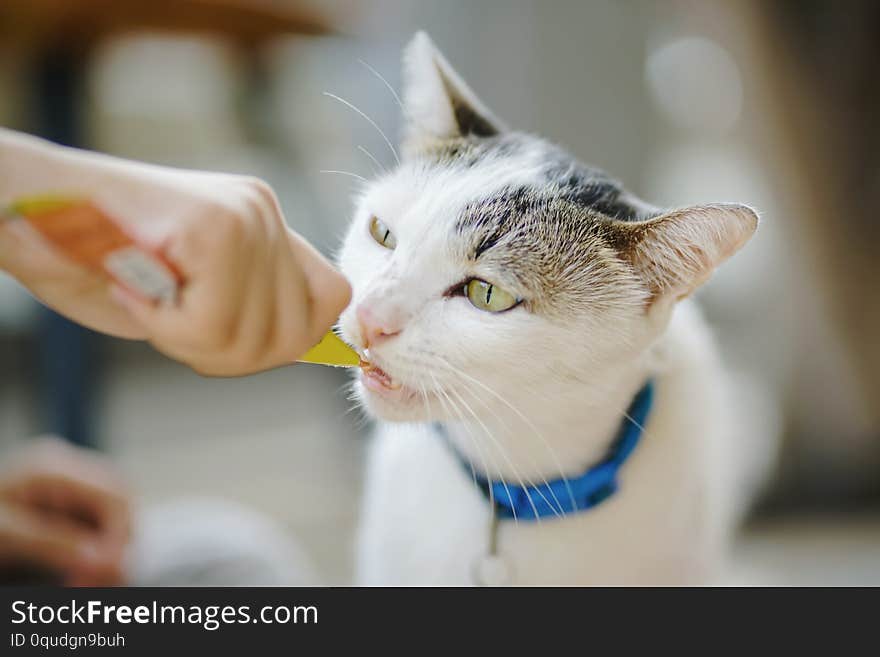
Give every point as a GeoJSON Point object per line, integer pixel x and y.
{"type": "Point", "coordinates": [255, 295]}
{"type": "Point", "coordinates": [66, 512]}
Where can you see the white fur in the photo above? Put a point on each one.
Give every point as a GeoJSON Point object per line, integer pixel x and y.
{"type": "Point", "coordinates": [428, 80]}
{"type": "Point", "coordinates": [527, 397]}
{"type": "Point", "coordinates": [425, 522]}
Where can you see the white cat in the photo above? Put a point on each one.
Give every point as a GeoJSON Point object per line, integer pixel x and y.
{"type": "Point", "coordinates": [515, 305]}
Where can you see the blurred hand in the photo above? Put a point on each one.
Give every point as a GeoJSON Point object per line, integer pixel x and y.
{"type": "Point", "coordinates": [256, 294]}
{"type": "Point", "coordinates": [65, 511]}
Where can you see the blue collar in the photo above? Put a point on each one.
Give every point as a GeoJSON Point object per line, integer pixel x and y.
{"type": "Point", "coordinates": [560, 497]}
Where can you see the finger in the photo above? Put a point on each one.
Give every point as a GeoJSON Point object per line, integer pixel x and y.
{"type": "Point", "coordinates": [106, 568]}
{"type": "Point", "coordinates": [169, 327]}
{"type": "Point", "coordinates": [214, 255]}
{"type": "Point", "coordinates": [143, 312]}
{"type": "Point", "coordinates": [74, 486]}
{"type": "Point", "coordinates": [111, 575]}
{"type": "Point", "coordinates": [91, 309]}
{"type": "Point", "coordinates": [103, 506]}
{"type": "Point", "coordinates": [30, 538]}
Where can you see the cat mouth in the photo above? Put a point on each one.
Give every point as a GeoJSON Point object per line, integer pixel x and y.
{"type": "Point", "coordinates": [377, 379]}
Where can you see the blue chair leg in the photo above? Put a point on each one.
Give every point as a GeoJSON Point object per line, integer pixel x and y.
{"type": "Point", "coordinates": [67, 368]}
{"type": "Point", "coordinates": [68, 358]}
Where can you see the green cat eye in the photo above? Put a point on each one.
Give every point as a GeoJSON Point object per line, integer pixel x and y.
{"type": "Point", "coordinates": [488, 297]}
{"type": "Point", "coordinates": [382, 234]}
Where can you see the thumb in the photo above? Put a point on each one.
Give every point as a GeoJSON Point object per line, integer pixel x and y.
{"type": "Point", "coordinates": [329, 290]}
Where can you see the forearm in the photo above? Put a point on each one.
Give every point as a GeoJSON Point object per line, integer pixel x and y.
{"type": "Point", "coordinates": [29, 165]}
{"type": "Point", "coordinates": [32, 166]}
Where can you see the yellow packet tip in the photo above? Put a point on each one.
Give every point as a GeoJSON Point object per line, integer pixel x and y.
{"type": "Point", "coordinates": [38, 204]}
{"type": "Point", "coordinates": [331, 350]}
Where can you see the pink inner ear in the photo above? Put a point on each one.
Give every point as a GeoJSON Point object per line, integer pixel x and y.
{"type": "Point", "coordinates": [677, 252]}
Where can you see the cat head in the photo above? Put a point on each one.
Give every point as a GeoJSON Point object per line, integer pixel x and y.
{"type": "Point", "coordinates": [492, 260]}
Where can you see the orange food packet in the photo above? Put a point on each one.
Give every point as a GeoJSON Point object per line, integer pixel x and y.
{"type": "Point", "coordinates": [88, 235]}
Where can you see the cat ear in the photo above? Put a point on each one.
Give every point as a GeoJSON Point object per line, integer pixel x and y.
{"type": "Point", "coordinates": [676, 252]}
{"type": "Point", "coordinates": [437, 103]}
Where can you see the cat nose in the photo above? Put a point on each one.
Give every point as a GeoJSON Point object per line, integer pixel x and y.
{"type": "Point", "coordinates": [374, 328]}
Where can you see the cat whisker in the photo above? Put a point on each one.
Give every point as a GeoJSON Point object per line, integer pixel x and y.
{"type": "Point", "coordinates": [527, 421]}
{"type": "Point", "coordinates": [557, 508]}
{"type": "Point", "coordinates": [506, 458]}
{"type": "Point", "coordinates": [456, 412]}
{"type": "Point", "coordinates": [623, 412]}
{"type": "Point", "coordinates": [428, 410]}
{"type": "Point", "coordinates": [369, 120]}
{"type": "Point", "coordinates": [356, 407]}
{"type": "Point", "coordinates": [377, 168]}
{"type": "Point", "coordinates": [344, 173]}
{"type": "Point", "coordinates": [385, 82]}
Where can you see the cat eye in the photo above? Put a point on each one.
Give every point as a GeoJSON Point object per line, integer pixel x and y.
{"type": "Point", "coordinates": [488, 297]}
{"type": "Point", "coordinates": [382, 234]}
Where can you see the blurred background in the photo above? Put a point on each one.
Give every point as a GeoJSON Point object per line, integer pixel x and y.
{"type": "Point", "coordinates": [768, 103]}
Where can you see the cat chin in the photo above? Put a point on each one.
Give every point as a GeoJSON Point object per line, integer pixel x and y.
{"type": "Point", "coordinates": [403, 406]}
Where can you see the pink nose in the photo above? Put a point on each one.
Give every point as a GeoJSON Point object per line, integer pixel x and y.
{"type": "Point", "coordinates": [374, 329]}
